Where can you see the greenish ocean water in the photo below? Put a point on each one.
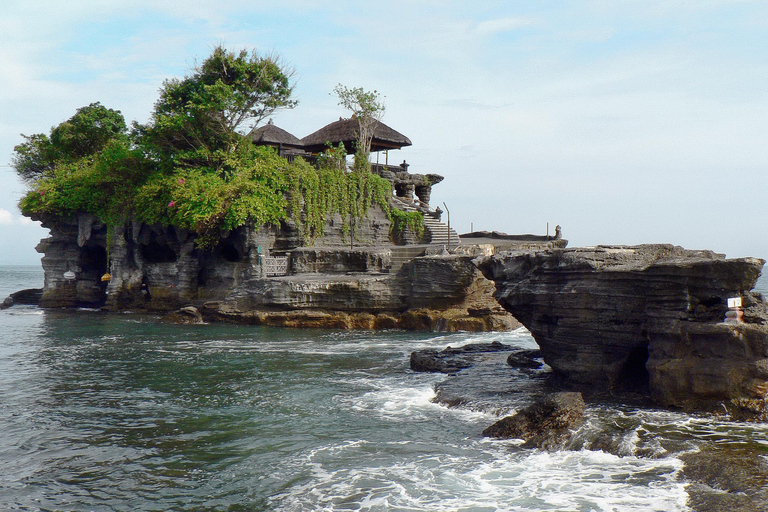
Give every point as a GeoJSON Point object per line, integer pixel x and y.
{"type": "Point", "coordinates": [117, 412]}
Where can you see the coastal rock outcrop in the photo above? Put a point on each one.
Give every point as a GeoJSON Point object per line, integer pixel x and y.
{"type": "Point", "coordinates": [644, 317]}
{"type": "Point", "coordinates": [258, 275]}
{"type": "Point", "coordinates": [30, 296]}
{"type": "Point", "coordinates": [451, 360]}
{"type": "Point", "coordinates": [437, 292]}
{"type": "Point", "coordinates": [547, 423]}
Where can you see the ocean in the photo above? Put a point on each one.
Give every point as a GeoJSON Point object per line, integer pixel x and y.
{"type": "Point", "coordinates": [118, 412]}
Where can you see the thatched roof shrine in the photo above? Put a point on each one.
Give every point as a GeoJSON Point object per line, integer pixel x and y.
{"type": "Point", "coordinates": [271, 135]}
{"type": "Point", "coordinates": [345, 131]}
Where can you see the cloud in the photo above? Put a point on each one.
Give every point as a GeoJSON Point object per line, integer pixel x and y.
{"type": "Point", "coordinates": [501, 25]}
{"type": "Point", "coordinates": [8, 219]}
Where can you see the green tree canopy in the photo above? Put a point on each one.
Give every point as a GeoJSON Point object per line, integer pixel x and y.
{"type": "Point", "coordinates": [192, 165]}
{"type": "Point", "coordinates": [200, 118]}
{"type": "Point", "coordinates": [84, 134]}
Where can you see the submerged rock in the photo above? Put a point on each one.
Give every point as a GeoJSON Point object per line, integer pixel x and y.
{"type": "Point", "coordinates": [30, 296]}
{"type": "Point", "coordinates": [644, 317]}
{"type": "Point", "coordinates": [547, 423]}
{"type": "Point", "coordinates": [451, 360]}
{"type": "Point", "coordinates": [525, 359]}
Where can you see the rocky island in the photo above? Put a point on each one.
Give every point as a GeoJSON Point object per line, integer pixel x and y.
{"type": "Point", "coordinates": [194, 215]}
{"type": "Point", "coordinates": [195, 210]}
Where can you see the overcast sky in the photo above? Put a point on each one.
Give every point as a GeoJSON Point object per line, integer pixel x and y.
{"type": "Point", "coordinates": [624, 122]}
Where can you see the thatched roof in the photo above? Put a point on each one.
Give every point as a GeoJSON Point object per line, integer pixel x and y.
{"type": "Point", "coordinates": [271, 135]}
{"type": "Point", "coordinates": [345, 131]}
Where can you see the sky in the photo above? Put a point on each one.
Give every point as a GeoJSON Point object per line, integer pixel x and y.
{"type": "Point", "coordinates": [624, 122]}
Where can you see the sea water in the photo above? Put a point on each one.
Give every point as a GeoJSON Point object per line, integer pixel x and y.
{"type": "Point", "coordinates": [118, 412]}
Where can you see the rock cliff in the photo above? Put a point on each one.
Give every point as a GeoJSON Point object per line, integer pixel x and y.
{"type": "Point", "coordinates": [645, 317]}
{"type": "Point", "coordinates": [260, 275]}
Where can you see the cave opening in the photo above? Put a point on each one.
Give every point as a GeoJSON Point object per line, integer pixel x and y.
{"type": "Point", "coordinates": [93, 265]}
{"type": "Point", "coordinates": [157, 252]}
{"type": "Point", "coordinates": [634, 374]}
{"type": "Point", "coordinates": [229, 251]}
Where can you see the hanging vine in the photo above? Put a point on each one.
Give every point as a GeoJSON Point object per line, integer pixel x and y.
{"type": "Point", "coordinates": [316, 194]}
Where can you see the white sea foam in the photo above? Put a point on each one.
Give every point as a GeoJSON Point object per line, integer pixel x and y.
{"type": "Point", "coordinates": [516, 481]}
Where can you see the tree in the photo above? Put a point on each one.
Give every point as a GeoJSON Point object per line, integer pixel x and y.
{"type": "Point", "coordinates": [88, 131]}
{"type": "Point", "coordinates": [84, 134]}
{"type": "Point", "coordinates": [368, 108]}
{"type": "Point", "coordinates": [33, 158]}
{"type": "Point", "coordinates": [209, 111]}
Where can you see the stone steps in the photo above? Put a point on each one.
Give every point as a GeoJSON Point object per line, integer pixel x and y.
{"type": "Point", "coordinates": [440, 233]}
{"type": "Point", "coordinates": [437, 230]}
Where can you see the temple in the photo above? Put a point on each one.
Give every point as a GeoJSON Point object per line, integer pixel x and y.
{"type": "Point", "coordinates": [414, 190]}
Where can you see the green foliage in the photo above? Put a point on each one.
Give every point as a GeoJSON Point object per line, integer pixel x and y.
{"type": "Point", "coordinates": [34, 157]}
{"type": "Point", "coordinates": [212, 205]}
{"type": "Point", "coordinates": [402, 220]}
{"type": "Point", "coordinates": [316, 194]}
{"type": "Point", "coordinates": [84, 134]}
{"type": "Point", "coordinates": [189, 167]}
{"type": "Point", "coordinates": [88, 131]}
{"type": "Point", "coordinates": [103, 184]}
{"type": "Point", "coordinates": [196, 120]}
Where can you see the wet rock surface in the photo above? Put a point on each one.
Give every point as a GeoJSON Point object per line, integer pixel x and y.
{"type": "Point", "coordinates": [482, 378]}
{"type": "Point", "coordinates": [30, 296]}
{"type": "Point", "coordinates": [547, 423]}
{"type": "Point", "coordinates": [526, 359]}
{"type": "Point", "coordinates": [188, 315]}
{"type": "Point", "coordinates": [726, 479]}
{"type": "Point", "coordinates": [641, 317]}
{"type": "Point", "coordinates": [451, 360]}
{"type": "Point", "coordinates": [261, 275]}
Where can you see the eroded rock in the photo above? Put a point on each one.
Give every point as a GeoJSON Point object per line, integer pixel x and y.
{"type": "Point", "coordinates": [617, 317]}
{"type": "Point", "coordinates": [188, 315]}
{"type": "Point", "coordinates": [726, 478]}
{"type": "Point", "coordinates": [451, 360]}
{"type": "Point", "coordinates": [547, 423]}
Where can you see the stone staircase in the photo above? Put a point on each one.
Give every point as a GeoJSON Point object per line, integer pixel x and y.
{"type": "Point", "coordinates": [438, 231]}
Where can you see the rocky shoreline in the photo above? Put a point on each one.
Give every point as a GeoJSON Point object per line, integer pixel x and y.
{"type": "Point", "coordinates": [537, 411]}
{"type": "Point", "coordinates": [259, 276]}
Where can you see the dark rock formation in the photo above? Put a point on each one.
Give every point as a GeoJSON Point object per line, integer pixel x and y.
{"type": "Point", "coordinates": [30, 296]}
{"type": "Point", "coordinates": [610, 317]}
{"type": "Point", "coordinates": [525, 359]}
{"type": "Point", "coordinates": [545, 424]}
{"type": "Point", "coordinates": [188, 315]}
{"type": "Point", "coordinates": [498, 235]}
{"type": "Point", "coordinates": [428, 293]}
{"type": "Point", "coordinates": [257, 275]}
{"type": "Point", "coordinates": [308, 260]}
{"type": "Point", "coordinates": [726, 478]}
{"type": "Point", "coordinates": [407, 185]}
{"type": "Point", "coordinates": [160, 268]}
{"type": "Point", "coordinates": [451, 360]}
